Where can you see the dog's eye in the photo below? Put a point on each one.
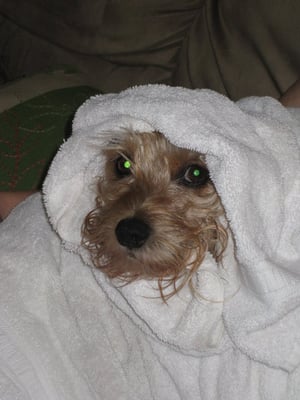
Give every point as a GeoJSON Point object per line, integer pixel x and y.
{"type": "Point", "coordinates": [123, 166]}
{"type": "Point", "coordinates": [194, 175]}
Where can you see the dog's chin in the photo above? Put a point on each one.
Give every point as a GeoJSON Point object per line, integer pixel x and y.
{"type": "Point", "coordinates": [170, 270]}
{"type": "Point", "coordinates": [130, 265]}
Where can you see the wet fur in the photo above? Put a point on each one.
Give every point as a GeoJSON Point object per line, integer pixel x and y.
{"type": "Point", "coordinates": [184, 221]}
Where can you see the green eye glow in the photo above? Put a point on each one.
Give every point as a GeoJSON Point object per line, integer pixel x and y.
{"type": "Point", "coordinates": [196, 172]}
{"type": "Point", "coordinates": [127, 164]}
{"type": "Point", "coordinates": [194, 175]}
{"type": "Point", "coordinates": [123, 166]}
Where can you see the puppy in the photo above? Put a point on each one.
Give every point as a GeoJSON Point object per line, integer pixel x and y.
{"type": "Point", "coordinates": [157, 213]}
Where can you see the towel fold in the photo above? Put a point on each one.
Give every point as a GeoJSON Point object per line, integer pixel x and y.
{"type": "Point", "coordinates": [69, 332]}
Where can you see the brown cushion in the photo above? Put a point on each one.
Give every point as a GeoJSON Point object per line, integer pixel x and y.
{"type": "Point", "coordinates": [236, 47]}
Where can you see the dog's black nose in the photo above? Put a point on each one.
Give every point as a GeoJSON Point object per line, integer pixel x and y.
{"type": "Point", "coordinates": [132, 232]}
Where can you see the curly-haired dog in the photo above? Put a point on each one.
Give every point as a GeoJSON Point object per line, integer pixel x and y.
{"type": "Point", "coordinates": [157, 213]}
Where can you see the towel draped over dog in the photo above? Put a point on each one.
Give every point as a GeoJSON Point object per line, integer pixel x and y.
{"type": "Point", "coordinates": [68, 332]}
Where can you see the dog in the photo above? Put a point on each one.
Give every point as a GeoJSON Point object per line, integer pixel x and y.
{"type": "Point", "coordinates": [157, 213]}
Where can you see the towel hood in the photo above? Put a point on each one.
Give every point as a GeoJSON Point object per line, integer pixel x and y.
{"type": "Point", "coordinates": [252, 152]}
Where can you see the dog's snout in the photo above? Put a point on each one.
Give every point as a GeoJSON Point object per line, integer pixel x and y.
{"type": "Point", "coordinates": [132, 232]}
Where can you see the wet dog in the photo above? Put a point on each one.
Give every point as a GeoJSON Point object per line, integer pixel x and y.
{"type": "Point", "coordinates": [157, 213]}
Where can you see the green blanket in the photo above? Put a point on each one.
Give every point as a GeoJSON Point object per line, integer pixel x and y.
{"type": "Point", "coordinates": [31, 132]}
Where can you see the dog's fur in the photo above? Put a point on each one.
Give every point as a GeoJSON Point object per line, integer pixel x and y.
{"type": "Point", "coordinates": [157, 218]}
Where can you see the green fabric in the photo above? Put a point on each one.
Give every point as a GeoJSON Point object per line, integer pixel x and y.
{"type": "Point", "coordinates": [31, 132]}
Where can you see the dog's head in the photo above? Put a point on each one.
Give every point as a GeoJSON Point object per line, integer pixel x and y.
{"type": "Point", "coordinates": [157, 212]}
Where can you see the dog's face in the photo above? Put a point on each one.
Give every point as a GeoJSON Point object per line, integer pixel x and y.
{"type": "Point", "coordinates": [157, 212]}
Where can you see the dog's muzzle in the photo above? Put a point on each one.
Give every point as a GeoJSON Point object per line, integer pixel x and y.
{"type": "Point", "coordinates": [132, 232]}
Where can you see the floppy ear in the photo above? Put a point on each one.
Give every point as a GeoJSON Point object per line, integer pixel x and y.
{"type": "Point", "coordinates": [70, 186]}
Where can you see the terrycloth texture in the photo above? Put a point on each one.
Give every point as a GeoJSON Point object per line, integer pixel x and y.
{"type": "Point", "coordinates": [67, 332]}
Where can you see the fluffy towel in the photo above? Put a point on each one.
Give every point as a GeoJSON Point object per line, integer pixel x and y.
{"type": "Point", "coordinates": [67, 332]}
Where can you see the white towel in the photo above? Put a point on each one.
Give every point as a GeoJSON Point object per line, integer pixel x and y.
{"type": "Point", "coordinates": [68, 332]}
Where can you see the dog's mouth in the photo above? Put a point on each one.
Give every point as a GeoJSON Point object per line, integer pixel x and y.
{"type": "Point", "coordinates": [159, 246]}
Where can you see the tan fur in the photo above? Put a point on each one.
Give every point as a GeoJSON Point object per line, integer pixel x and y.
{"type": "Point", "coordinates": [184, 220]}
